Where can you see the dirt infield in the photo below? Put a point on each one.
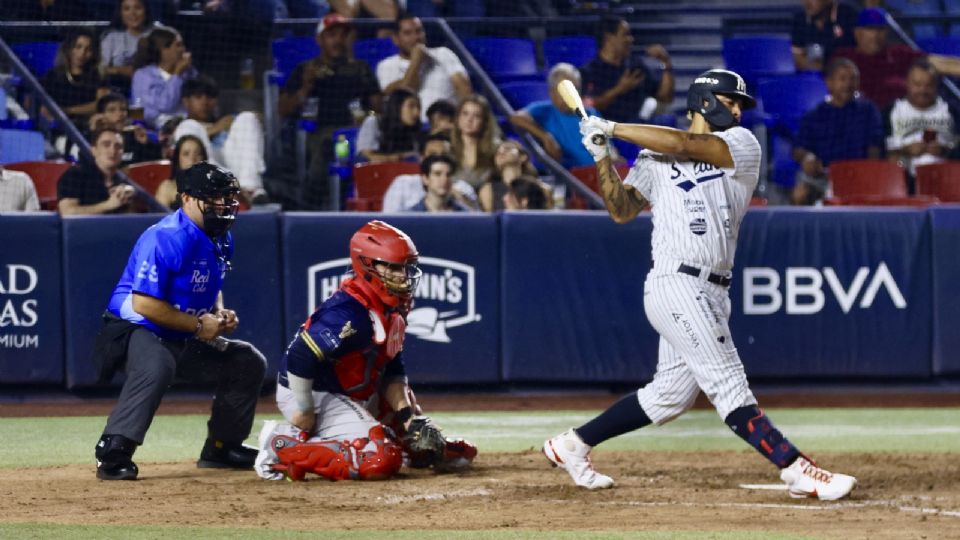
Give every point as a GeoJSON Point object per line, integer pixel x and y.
{"type": "Point", "coordinates": [900, 496]}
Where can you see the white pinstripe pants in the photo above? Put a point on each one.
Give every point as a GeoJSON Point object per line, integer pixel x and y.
{"type": "Point", "coordinates": [696, 350]}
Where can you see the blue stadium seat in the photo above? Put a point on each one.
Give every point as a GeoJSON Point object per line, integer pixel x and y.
{"type": "Point", "coordinates": [918, 7]}
{"type": "Point", "coordinates": [522, 93]}
{"type": "Point", "coordinates": [372, 51]}
{"type": "Point", "coordinates": [19, 145]}
{"type": "Point", "coordinates": [758, 56]}
{"type": "Point", "coordinates": [38, 56]}
{"type": "Point", "coordinates": [505, 59]}
{"type": "Point", "coordinates": [576, 50]}
{"type": "Point", "coordinates": [290, 51]}
{"type": "Point", "coordinates": [786, 99]}
{"type": "Point", "coordinates": [941, 45]}
{"type": "Point", "coordinates": [3, 104]}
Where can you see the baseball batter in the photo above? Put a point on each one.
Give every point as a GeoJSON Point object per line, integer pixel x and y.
{"type": "Point", "coordinates": [699, 184]}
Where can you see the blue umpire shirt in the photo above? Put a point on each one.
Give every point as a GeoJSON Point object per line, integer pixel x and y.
{"type": "Point", "coordinates": [174, 261]}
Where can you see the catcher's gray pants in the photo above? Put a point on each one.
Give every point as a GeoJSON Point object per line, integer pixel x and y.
{"type": "Point", "coordinates": [151, 366]}
{"type": "Point", "coordinates": [339, 417]}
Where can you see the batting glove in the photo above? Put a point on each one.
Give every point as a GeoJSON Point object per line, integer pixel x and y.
{"type": "Point", "coordinates": [598, 151]}
{"type": "Point", "coordinates": [596, 123]}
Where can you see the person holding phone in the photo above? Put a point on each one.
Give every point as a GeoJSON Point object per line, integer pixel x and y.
{"type": "Point", "coordinates": [921, 127]}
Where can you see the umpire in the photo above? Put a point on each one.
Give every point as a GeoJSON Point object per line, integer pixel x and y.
{"type": "Point", "coordinates": [165, 318]}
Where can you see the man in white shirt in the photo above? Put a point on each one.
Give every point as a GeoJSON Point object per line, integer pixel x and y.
{"type": "Point", "coordinates": [922, 129]}
{"type": "Point", "coordinates": [406, 190]}
{"type": "Point", "coordinates": [17, 192]}
{"type": "Point", "coordinates": [435, 73]}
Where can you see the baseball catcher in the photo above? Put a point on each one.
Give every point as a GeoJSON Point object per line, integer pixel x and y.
{"type": "Point", "coordinates": [342, 386]}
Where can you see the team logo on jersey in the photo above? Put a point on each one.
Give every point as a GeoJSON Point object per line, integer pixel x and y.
{"type": "Point", "coordinates": [698, 226]}
{"type": "Point", "coordinates": [347, 330]}
{"type": "Point", "coordinates": [445, 298]}
{"type": "Point", "coordinates": [703, 172]}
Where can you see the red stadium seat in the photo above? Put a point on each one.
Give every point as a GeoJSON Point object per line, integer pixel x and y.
{"type": "Point", "coordinates": [371, 181]}
{"type": "Point", "coordinates": [149, 174]}
{"type": "Point", "coordinates": [45, 175]}
{"type": "Point", "coordinates": [867, 177]}
{"type": "Point", "coordinates": [940, 180]}
{"type": "Point", "coordinates": [919, 201]}
{"type": "Point", "coordinates": [588, 175]}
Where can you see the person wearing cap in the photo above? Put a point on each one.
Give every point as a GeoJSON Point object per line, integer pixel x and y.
{"type": "Point", "coordinates": [166, 318]}
{"type": "Point", "coordinates": [342, 88]}
{"type": "Point", "coordinates": [433, 72]}
{"type": "Point", "coordinates": [819, 28]}
{"type": "Point", "coordinates": [883, 66]}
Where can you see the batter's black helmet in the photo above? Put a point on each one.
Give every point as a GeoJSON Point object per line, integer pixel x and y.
{"type": "Point", "coordinates": [701, 97]}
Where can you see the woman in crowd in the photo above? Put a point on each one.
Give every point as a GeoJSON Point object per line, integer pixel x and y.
{"type": "Point", "coordinates": [118, 45]}
{"type": "Point", "coordinates": [74, 82]}
{"type": "Point", "coordinates": [187, 152]}
{"type": "Point", "coordinates": [511, 161]}
{"type": "Point", "coordinates": [161, 65]}
{"type": "Point", "coordinates": [475, 136]}
{"type": "Point", "coordinates": [395, 134]}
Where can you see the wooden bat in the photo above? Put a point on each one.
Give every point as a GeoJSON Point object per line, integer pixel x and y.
{"type": "Point", "coordinates": [568, 92]}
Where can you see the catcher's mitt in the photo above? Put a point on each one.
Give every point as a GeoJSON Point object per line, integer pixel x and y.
{"type": "Point", "coordinates": [423, 443]}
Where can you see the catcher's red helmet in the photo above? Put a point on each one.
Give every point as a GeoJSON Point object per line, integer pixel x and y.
{"type": "Point", "coordinates": [379, 242]}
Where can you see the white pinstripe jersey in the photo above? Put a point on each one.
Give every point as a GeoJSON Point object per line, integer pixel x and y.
{"type": "Point", "coordinates": [697, 208]}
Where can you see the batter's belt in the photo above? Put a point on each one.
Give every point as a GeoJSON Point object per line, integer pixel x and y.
{"type": "Point", "coordinates": [689, 270]}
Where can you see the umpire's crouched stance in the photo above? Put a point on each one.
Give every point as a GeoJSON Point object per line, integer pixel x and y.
{"type": "Point", "coordinates": [164, 319]}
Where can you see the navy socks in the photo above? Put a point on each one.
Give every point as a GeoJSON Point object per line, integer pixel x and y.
{"type": "Point", "coordinates": [622, 417]}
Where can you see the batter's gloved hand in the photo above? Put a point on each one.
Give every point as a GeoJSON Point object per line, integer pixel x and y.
{"type": "Point", "coordinates": [597, 144]}
{"type": "Point", "coordinates": [423, 443]}
{"type": "Point", "coordinates": [592, 123]}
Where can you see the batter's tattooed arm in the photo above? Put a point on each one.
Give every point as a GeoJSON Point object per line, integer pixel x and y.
{"type": "Point", "coordinates": [623, 202]}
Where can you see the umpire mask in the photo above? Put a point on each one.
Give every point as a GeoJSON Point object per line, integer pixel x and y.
{"type": "Point", "coordinates": [216, 189]}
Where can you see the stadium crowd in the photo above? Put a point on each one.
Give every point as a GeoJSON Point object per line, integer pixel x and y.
{"type": "Point", "coordinates": [135, 92]}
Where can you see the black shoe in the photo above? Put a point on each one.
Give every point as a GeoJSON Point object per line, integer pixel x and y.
{"type": "Point", "coordinates": [217, 455]}
{"type": "Point", "coordinates": [117, 471]}
{"type": "Point", "coordinates": [114, 458]}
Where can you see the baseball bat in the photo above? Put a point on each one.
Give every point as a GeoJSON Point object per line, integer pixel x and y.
{"type": "Point", "coordinates": [568, 92]}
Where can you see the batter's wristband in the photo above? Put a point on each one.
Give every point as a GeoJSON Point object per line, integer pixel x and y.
{"type": "Point", "coordinates": [403, 415]}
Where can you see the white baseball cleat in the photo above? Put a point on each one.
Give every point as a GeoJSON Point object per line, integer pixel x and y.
{"type": "Point", "coordinates": [267, 457]}
{"type": "Point", "coordinates": [805, 479]}
{"type": "Point", "coordinates": [571, 454]}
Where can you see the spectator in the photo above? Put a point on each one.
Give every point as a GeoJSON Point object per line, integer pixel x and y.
{"type": "Point", "coordinates": [511, 162]}
{"type": "Point", "coordinates": [314, 9]}
{"type": "Point", "coordinates": [118, 45]}
{"type": "Point", "coordinates": [338, 84]}
{"type": "Point", "coordinates": [406, 190]}
{"type": "Point", "coordinates": [821, 27]}
{"type": "Point", "coordinates": [622, 90]}
{"type": "Point", "coordinates": [843, 127]}
{"type": "Point", "coordinates": [161, 65]}
{"type": "Point", "coordinates": [188, 151]}
{"type": "Point", "coordinates": [475, 139]}
{"type": "Point", "coordinates": [440, 116]}
{"type": "Point", "coordinates": [883, 67]}
{"type": "Point", "coordinates": [74, 82]}
{"type": "Point", "coordinates": [921, 125]}
{"type": "Point", "coordinates": [435, 73]}
{"type": "Point", "coordinates": [526, 193]}
{"type": "Point", "coordinates": [96, 188]}
{"type": "Point", "coordinates": [234, 142]}
{"type": "Point", "coordinates": [395, 134]}
{"type": "Point", "coordinates": [553, 123]}
{"type": "Point", "coordinates": [436, 173]}
{"type": "Point", "coordinates": [112, 112]}
{"type": "Point", "coordinates": [17, 192]}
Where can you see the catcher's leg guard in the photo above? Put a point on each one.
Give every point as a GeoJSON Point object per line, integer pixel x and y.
{"type": "Point", "coordinates": [369, 458]}
{"type": "Point", "coordinates": [379, 457]}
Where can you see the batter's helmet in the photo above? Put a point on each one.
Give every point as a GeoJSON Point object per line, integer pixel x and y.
{"type": "Point", "coordinates": [701, 96]}
{"type": "Point", "coordinates": [378, 242]}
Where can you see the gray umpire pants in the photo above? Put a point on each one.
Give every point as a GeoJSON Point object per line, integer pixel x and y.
{"type": "Point", "coordinates": [152, 363]}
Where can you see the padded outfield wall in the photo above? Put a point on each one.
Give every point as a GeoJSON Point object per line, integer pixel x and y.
{"type": "Point", "coordinates": [533, 297]}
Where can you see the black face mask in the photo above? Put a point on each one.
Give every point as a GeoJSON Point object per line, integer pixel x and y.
{"type": "Point", "coordinates": [218, 218]}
